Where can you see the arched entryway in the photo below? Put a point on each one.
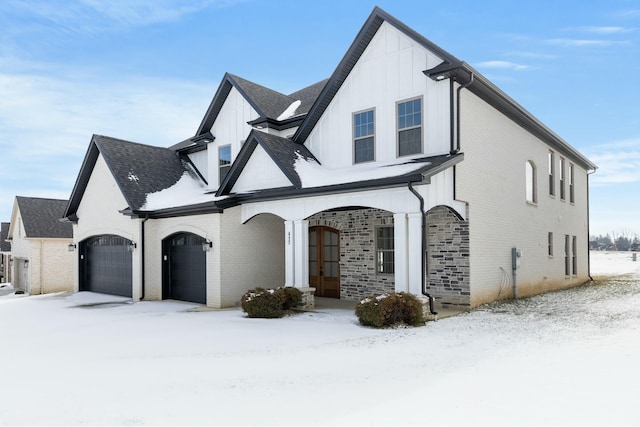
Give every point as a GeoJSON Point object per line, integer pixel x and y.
{"type": "Point", "coordinates": [324, 261]}
{"type": "Point", "coordinates": [106, 265]}
{"type": "Point", "coordinates": [184, 263]}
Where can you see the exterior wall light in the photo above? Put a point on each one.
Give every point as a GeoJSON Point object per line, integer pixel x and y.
{"type": "Point", "coordinates": [71, 247]}
{"type": "Point", "coordinates": [207, 245]}
{"type": "Point", "coordinates": [132, 246]}
{"type": "Point", "coordinates": [26, 263]}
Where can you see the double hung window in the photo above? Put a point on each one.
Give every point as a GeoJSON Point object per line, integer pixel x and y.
{"type": "Point", "coordinates": [364, 136]}
{"type": "Point", "coordinates": [409, 122]}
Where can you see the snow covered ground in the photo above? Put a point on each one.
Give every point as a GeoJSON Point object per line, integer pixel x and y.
{"type": "Point", "coordinates": [565, 358]}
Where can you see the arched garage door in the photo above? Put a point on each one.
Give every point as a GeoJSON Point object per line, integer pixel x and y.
{"type": "Point", "coordinates": [105, 265]}
{"type": "Point", "coordinates": [184, 265]}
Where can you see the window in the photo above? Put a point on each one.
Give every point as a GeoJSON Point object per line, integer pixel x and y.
{"type": "Point", "coordinates": [562, 178]}
{"type": "Point", "coordinates": [574, 256]}
{"type": "Point", "coordinates": [552, 166]}
{"type": "Point", "coordinates": [567, 249]}
{"type": "Point", "coordinates": [409, 127]}
{"type": "Point", "coordinates": [384, 250]}
{"type": "Point", "coordinates": [531, 190]}
{"type": "Point", "coordinates": [363, 136]}
{"type": "Point", "coordinates": [224, 162]}
{"type": "Point", "coordinates": [550, 244]}
{"type": "Point", "coordinates": [572, 194]}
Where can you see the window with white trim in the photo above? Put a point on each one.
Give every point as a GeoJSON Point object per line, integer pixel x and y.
{"type": "Point", "coordinates": [364, 136]}
{"type": "Point", "coordinates": [530, 182]}
{"type": "Point", "coordinates": [385, 250]}
{"type": "Point", "coordinates": [552, 177]}
{"type": "Point", "coordinates": [574, 255]}
{"type": "Point", "coordinates": [562, 178]}
{"type": "Point", "coordinates": [409, 125]}
{"type": "Point", "coordinates": [550, 244]}
{"type": "Point", "coordinates": [224, 162]}
{"type": "Point", "coordinates": [567, 255]}
{"type": "Point", "coordinates": [572, 190]}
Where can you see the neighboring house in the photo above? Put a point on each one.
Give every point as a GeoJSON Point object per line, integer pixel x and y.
{"type": "Point", "coordinates": [5, 254]}
{"type": "Point", "coordinates": [406, 170]}
{"type": "Point", "coordinates": [42, 262]}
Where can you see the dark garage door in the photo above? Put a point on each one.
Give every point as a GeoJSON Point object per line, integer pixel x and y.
{"type": "Point", "coordinates": [184, 268]}
{"type": "Point", "coordinates": [105, 265]}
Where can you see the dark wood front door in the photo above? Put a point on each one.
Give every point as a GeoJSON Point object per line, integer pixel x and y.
{"type": "Point", "coordinates": [324, 261]}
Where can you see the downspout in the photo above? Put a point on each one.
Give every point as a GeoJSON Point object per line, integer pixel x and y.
{"type": "Point", "coordinates": [452, 150]}
{"type": "Point", "coordinates": [423, 252]}
{"type": "Point", "coordinates": [458, 118]}
{"type": "Point", "coordinates": [146, 218]}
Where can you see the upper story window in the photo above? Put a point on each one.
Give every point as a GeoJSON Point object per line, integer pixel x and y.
{"type": "Point", "coordinates": [552, 174]}
{"type": "Point", "coordinates": [409, 121]}
{"type": "Point", "coordinates": [562, 178]}
{"type": "Point", "coordinates": [363, 136]}
{"type": "Point", "coordinates": [224, 162]}
{"type": "Point", "coordinates": [530, 182]}
{"type": "Point", "coordinates": [385, 250]}
{"type": "Point", "coordinates": [572, 191]}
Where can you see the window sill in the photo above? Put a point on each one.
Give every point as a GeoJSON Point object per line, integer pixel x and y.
{"type": "Point", "coordinates": [530, 203]}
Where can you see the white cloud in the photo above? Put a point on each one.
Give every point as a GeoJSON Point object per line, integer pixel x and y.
{"type": "Point", "coordinates": [618, 162]}
{"type": "Point", "coordinates": [587, 42]}
{"type": "Point", "coordinates": [607, 30]}
{"type": "Point", "coordinates": [504, 65]}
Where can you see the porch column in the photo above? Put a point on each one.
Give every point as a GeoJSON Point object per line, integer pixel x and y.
{"type": "Point", "coordinates": [400, 261]}
{"type": "Point", "coordinates": [414, 255]}
{"type": "Point", "coordinates": [289, 254]}
{"type": "Point", "coordinates": [301, 253]}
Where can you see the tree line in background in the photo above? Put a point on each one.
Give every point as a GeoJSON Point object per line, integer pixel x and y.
{"type": "Point", "coordinates": [623, 240]}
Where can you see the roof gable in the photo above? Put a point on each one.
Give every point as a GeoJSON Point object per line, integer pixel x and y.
{"type": "Point", "coordinates": [138, 170]}
{"type": "Point", "coordinates": [281, 150]}
{"type": "Point", "coordinates": [40, 217]}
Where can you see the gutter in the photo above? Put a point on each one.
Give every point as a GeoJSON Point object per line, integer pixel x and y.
{"type": "Point", "coordinates": [423, 253]}
{"type": "Point", "coordinates": [458, 116]}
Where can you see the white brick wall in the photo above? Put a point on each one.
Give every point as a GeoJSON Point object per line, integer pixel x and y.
{"type": "Point", "coordinates": [492, 180]}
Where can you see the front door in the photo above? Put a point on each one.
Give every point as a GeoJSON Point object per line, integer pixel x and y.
{"type": "Point", "coordinates": [324, 261]}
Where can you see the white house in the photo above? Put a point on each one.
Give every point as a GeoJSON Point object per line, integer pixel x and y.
{"type": "Point", "coordinates": [406, 170]}
{"type": "Point", "coordinates": [5, 254]}
{"type": "Point", "coordinates": [40, 258]}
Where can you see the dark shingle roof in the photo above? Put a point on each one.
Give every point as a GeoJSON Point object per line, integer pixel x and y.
{"type": "Point", "coordinates": [269, 103]}
{"type": "Point", "coordinates": [4, 232]}
{"type": "Point", "coordinates": [308, 96]}
{"type": "Point", "coordinates": [40, 217]}
{"type": "Point", "coordinates": [138, 169]}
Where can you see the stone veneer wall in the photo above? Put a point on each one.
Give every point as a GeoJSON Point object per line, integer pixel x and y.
{"type": "Point", "coordinates": [448, 270]}
{"type": "Point", "coordinates": [357, 228]}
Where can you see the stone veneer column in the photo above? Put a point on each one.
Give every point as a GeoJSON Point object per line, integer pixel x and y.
{"type": "Point", "coordinates": [400, 244]}
{"type": "Point", "coordinates": [414, 254]}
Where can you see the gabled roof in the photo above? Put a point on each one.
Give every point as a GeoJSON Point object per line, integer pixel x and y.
{"type": "Point", "coordinates": [268, 103]}
{"type": "Point", "coordinates": [451, 67]}
{"type": "Point", "coordinates": [4, 233]}
{"type": "Point", "coordinates": [138, 169]}
{"type": "Point", "coordinates": [282, 151]}
{"type": "Point", "coordinates": [40, 217]}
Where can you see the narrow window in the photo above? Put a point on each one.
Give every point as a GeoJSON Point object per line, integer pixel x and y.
{"type": "Point", "coordinates": [531, 190]}
{"type": "Point", "coordinates": [552, 166]}
{"type": "Point", "coordinates": [224, 162]}
{"type": "Point", "coordinates": [363, 136]}
{"type": "Point", "coordinates": [574, 255]}
{"type": "Point", "coordinates": [572, 194]}
{"type": "Point", "coordinates": [567, 249]}
{"type": "Point", "coordinates": [384, 250]}
{"type": "Point", "coordinates": [409, 121]}
{"type": "Point", "coordinates": [562, 178]}
{"type": "Point", "coordinates": [550, 244]}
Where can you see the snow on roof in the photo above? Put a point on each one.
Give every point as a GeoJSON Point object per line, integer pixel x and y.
{"type": "Point", "coordinates": [290, 111]}
{"type": "Point", "coordinates": [313, 174]}
{"type": "Point", "coordinates": [187, 191]}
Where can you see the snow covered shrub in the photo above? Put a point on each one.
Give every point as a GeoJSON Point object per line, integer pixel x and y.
{"type": "Point", "coordinates": [390, 309]}
{"type": "Point", "coordinates": [270, 303]}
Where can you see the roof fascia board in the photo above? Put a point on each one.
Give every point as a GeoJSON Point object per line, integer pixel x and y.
{"type": "Point", "coordinates": [82, 180]}
{"type": "Point", "coordinates": [238, 165]}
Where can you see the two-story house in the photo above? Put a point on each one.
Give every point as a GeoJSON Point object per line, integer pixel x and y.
{"type": "Point", "coordinates": [406, 170]}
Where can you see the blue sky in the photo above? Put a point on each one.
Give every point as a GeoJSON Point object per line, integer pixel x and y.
{"type": "Point", "coordinates": [146, 71]}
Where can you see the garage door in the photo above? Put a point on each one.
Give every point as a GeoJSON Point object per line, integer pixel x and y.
{"type": "Point", "coordinates": [184, 268]}
{"type": "Point", "coordinates": [105, 265]}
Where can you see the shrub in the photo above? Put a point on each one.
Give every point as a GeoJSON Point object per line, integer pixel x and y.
{"type": "Point", "coordinates": [390, 309]}
{"type": "Point", "coordinates": [270, 303]}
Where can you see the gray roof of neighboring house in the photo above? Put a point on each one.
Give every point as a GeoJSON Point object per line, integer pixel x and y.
{"type": "Point", "coordinates": [4, 232]}
{"type": "Point", "coordinates": [40, 217]}
{"type": "Point", "coordinates": [138, 169]}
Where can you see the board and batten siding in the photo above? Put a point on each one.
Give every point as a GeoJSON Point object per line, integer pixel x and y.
{"type": "Point", "coordinates": [491, 179]}
{"type": "Point", "coordinates": [200, 160]}
{"type": "Point", "coordinates": [230, 128]}
{"type": "Point", "coordinates": [390, 70]}
{"type": "Point", "coordinates": [262, 173]}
